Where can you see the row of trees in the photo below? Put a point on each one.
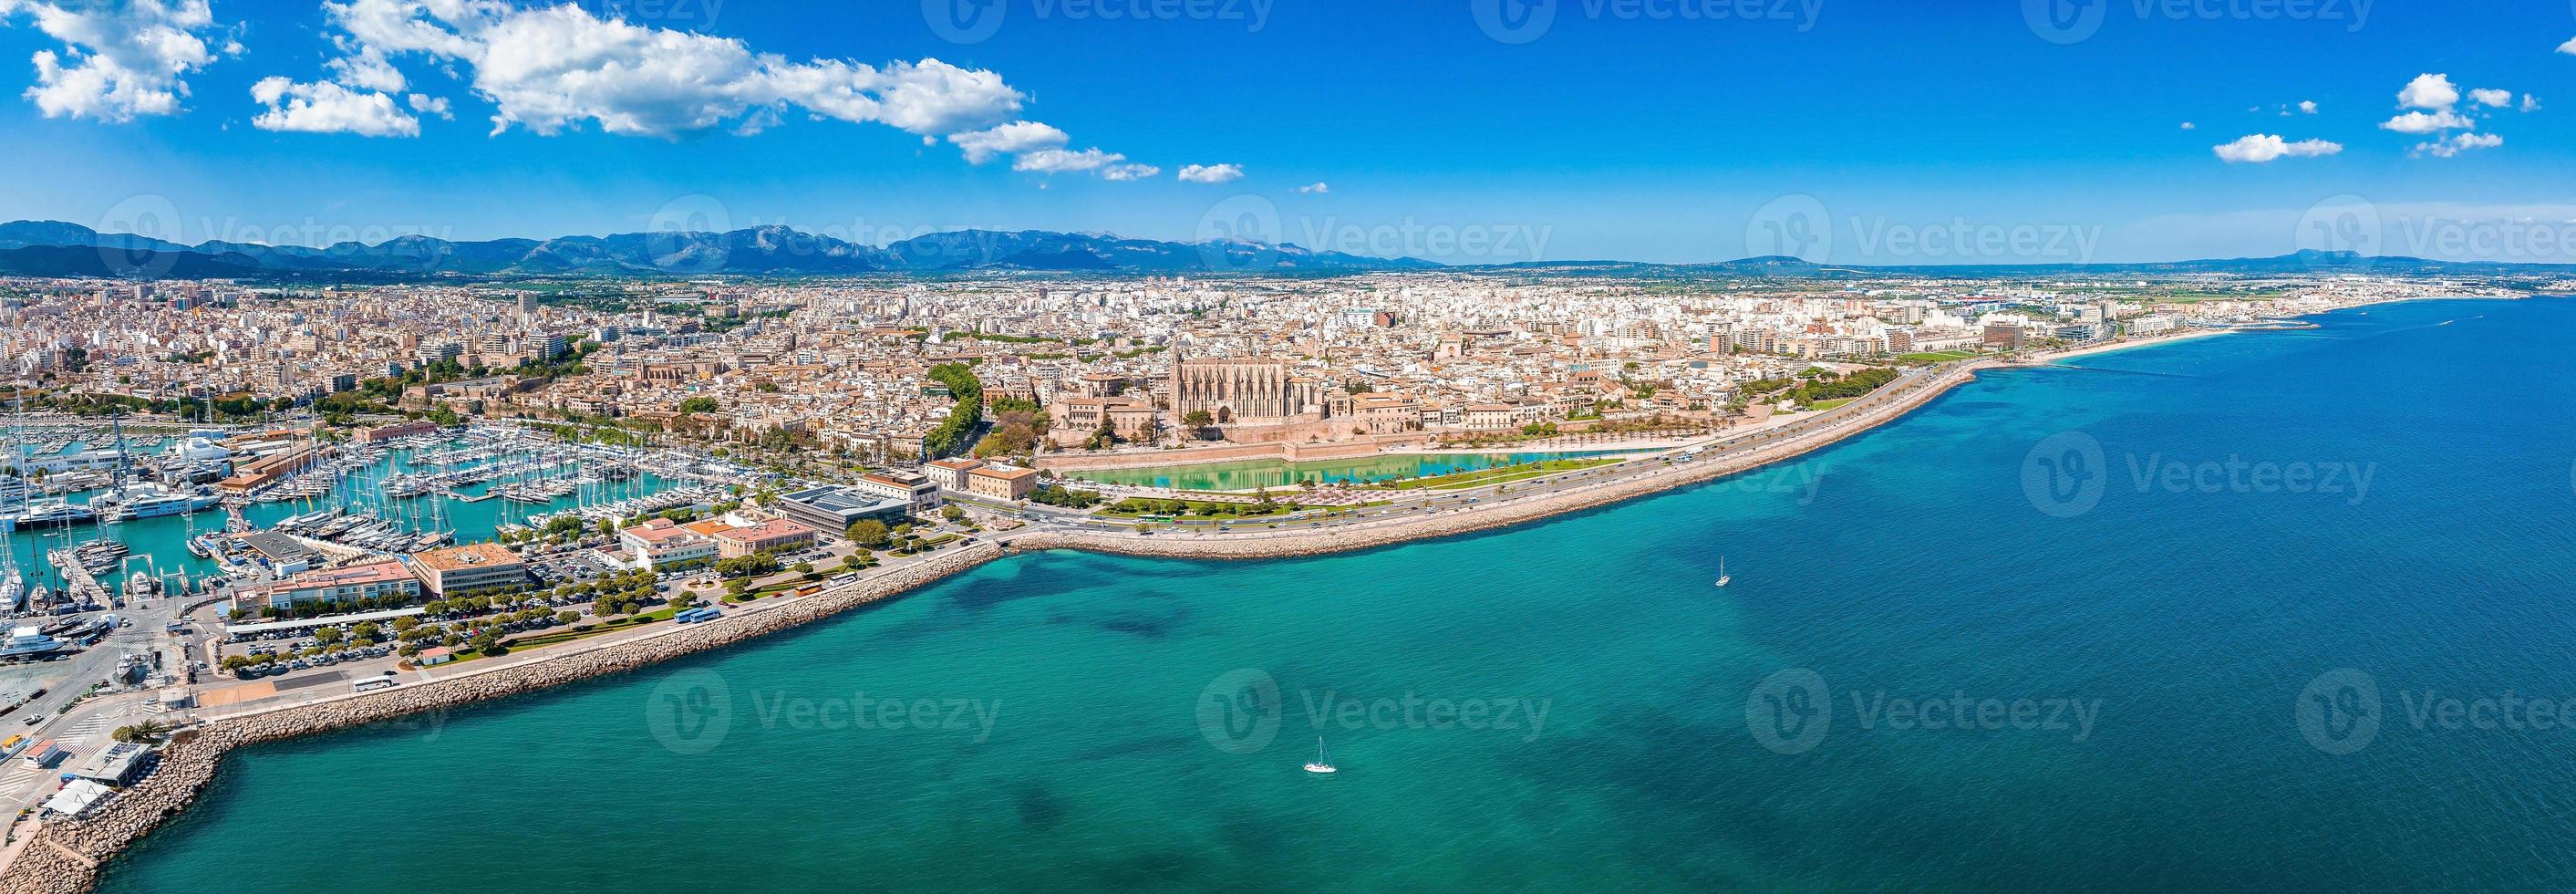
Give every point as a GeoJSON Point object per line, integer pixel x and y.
{"type": "Point", "coordinates": [1051, 495]}
{"type": "Point", "coordinates": [952, 434]}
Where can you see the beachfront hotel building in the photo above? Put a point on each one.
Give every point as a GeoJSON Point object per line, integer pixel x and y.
{"type": "Point", "coordinates": [474, 566]}
{"type": "Point", "coordinates": [834, 508]}
{"type": "Point", "coordinates": [950, 473]}
{"type": "Point", "coordinates": [374, 580]}
{"type": "Point", "coordinates": [735, 541]}
{"type": "Point", "coordinates": [912, 487]}
{"type": "Point", "coordinates": [660, 543]}
{"type": "Point", "coordinates": [1002, 483]}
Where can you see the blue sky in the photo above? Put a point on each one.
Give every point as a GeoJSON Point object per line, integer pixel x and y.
{"type": "Point", "coordinates": [1906, 132]}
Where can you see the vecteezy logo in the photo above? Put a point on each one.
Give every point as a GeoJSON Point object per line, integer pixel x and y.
{"type": "Point", "coordinates": [1514, 21]}
{"type": "Point", "coordinates": [690, 712]}
{"type": "Point", "coordinates": [2065, 475]}
{"type": "Point", "coordinates": [1238, 712]}
{"type": "Point", "coordinates": [1240, 235]}
{"type": "Point", "coordinates": [2064, 21]}
{"type": "Point", "coordinates": [1795, 225]}
{"type": "Point", "coordinates": [2342, 232]}
{"type": "Point", "coordinates": [1789, 712]}
{"type": "Point", "coordinates": [2339, 711]}
{"type": "Point", "coordinates": [130, 232]}
{"type": "Point", "coordinates": [964, 21]}
{"type": "Point", "coordinates": [688, 235]}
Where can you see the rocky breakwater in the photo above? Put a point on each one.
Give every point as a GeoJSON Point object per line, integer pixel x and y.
{"type": "Point", "coordinates": [63, 859]}
{"type": "Point", "coordinates": [1503, 513]}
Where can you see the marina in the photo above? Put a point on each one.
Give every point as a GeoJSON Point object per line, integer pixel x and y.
{"type": "Point", "coordinates": [389, 499]}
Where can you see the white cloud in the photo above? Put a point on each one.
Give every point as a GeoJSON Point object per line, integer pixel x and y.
{"type": "Point", "coordinates": [2262, 147]}
{"type": "Point", "coordinates": [329, 108]}
{"type": "Point", "coordinates": [1129, 172]}
{"type": "Point", "coordinates": [1109, 165]}
{"type": "Point", "coordinates": [1014, 138]}
{"type": "Point", "coordinates": [1315, 188]}
{"type": "Point", "coordinates": [2459, 143]}
{"type": "Point", "coordinates": [119, 60]}
{"type": "Point", "coordinates": [2190, 126]}
{"type": "Point", "coordinates": [2530, 103]}
{"type": "Point", "coordinates": [2427, 122]}
{"type": "Point", "coordinates": [2308, 105]}
{"type": "Point", "coordinates": [367, 70]}
{"type": "Point", "coordinates": [1222, 173]}
{"type": "Point", "coordinates": [429, 105]}
{"type": "Point", "coordinates": [548, 69]}
{"type": "Point", "coordinates": [2491, 97]}
{"type": "Point", "coordinates": [2569, 47]}
{"type": "Point", "coordinates": [2428, 91]}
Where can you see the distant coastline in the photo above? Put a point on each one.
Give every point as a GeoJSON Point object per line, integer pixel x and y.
{"type": "Point", "coordinates": [64, 858]}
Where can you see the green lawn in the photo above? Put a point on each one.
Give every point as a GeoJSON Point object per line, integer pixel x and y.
{"type": "Point", "coordinates": [1500, 474]}
{"type": "Point", "coordinates": [1936, 357]}
{"type": "Point", "coordinates": [1823, 405]}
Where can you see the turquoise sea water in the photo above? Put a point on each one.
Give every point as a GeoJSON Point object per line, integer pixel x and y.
{"type": "Point", "coordinates": [1907, 567]}
{"type": "Point", "coordinates": [1249, 474]}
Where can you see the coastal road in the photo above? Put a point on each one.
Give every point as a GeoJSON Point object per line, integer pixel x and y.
{"type": "Point", "coordinates": [1408, 505]}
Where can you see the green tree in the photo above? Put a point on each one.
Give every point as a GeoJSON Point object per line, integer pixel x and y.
{"type": "Point", "coordinates": [868, 532]}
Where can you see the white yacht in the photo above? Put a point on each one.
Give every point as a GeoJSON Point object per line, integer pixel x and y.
{"type": "Point", "coordinates": [54, 514]}
{"type": "Point", "coordinates": [1320, 765]}
{"type": "Point", "coordinates": [148, 500]}
{"type": "Point", "coordinates": [28, 641]}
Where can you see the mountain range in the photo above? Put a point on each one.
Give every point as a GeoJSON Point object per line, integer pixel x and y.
{"type": "Point", "coordinates": [58, 249]}
{"type": "Point", "coordinates": [55, 248]}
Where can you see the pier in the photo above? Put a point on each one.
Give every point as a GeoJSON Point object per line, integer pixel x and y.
{"type": "Point", "coordinates": [83, 587]}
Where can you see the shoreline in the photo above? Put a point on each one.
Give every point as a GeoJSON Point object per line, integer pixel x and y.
{"type": "Point", "coordinates": [66, 857]}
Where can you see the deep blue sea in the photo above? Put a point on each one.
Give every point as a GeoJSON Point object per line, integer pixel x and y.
{"type": "Point", "coordinates": [2279, 611]}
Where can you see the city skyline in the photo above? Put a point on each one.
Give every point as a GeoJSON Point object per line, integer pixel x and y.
{"type": "Point", "coordinates": [1624, 130]}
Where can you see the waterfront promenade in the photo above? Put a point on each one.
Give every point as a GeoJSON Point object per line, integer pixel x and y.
{"type": "Point", "coordinates": [64, 855]}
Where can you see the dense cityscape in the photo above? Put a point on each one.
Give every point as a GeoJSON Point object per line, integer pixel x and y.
{"type": "Point", "coordinates": [1140, 445]}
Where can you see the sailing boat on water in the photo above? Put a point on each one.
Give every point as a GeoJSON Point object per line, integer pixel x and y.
{"type": "Point", "coordinates": [1723, 578]}
{"type": "Point", "coordinates": [1320, 765]}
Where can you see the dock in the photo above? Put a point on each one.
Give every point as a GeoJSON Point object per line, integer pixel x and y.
{"type": "Point", "coordinates": [84, 588]}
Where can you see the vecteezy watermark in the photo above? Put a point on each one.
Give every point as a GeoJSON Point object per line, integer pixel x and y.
{"type": "Point", "coordinates": [688, 235]}
{"type": "Point", "coordinates": [2344, 710]}
{"type": "Point", "coordinates": [429, 724]}
{"type": "Point", "coordinates": [692, 711]}
{"type": "Point", "coordinates": [1238, 712]}
{"type": "Point", "coordinates": [1799, 225]}
{"type": "Point", "coordinates": [975, 21]}
{"type": "Point", "coordinates": [2063, 475]}
{"type": "Point", "coordinates": [2338, 712]}
{"type": "Point", "coordinates": [1799, 481]}
{"type": "Point", "coordinates": [862, 711]}
{"type": "Point", "coordinates": [2066, 475]}
{"type": "Point", "coordinates": [141, 235]}
{"type": "Point", "coordinates": [1521, 21]}
{"type": "Point", "coordinates": [2074, 21]}
{"type": "Point", "coordinates": [2339, 232]}
{"type": "Point", "coordinates": [148, 219]}
{"type": "Point", "coordinates": [1247, 234]}
{"type": "Point", "coordinates": [680, 13]}
{"type": "Point", "coordinates": [1242, 711]}
{"type": "Point", "coordinates": [1790, 711]}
